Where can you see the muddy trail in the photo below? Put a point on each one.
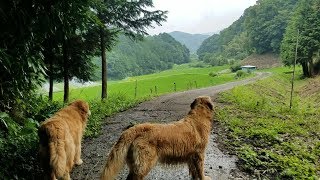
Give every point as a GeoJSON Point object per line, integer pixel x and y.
{"type": "Point", "coordinates": [163, 109]}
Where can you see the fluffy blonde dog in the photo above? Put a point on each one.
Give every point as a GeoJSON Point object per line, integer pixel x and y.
{"type": "Point", "coordinates": [184, 141]}
{"type": "Point", "coordinates": [60, 140]}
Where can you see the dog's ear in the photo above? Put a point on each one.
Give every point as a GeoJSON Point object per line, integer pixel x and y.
{"type": "Point", "coordinates": [81, 105]}
{"type": "Point", "coordinates": [193, 104]}
{"type": "Point", "coordinates": [209, 104]}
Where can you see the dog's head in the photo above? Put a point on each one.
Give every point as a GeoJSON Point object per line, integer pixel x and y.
{"type": "Point", "coordinates": [202, 101]}
{"type": "Point", "coordinates": [82, 106]}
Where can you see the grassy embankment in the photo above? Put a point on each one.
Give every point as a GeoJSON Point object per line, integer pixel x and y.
{"type": "Point", "coordinates": [272, 140]}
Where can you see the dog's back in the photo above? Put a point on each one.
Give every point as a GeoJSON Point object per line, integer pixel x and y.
{"type": "Point", "coordinates": [60, 140]}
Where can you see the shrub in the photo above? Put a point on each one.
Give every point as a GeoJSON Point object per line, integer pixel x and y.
{"type": "Point", "coordinates": [19, 139]}
{"type": "Point", "coordinates": [240, 73]}
{"type": "Point", "coordinates": [199, 65]}
{"type": "Point", "coordinates": [213, 74]}
{"type": "Point", "coordinates": [235, 67]}
{"type": "Point", "coordinates": [18, 144]}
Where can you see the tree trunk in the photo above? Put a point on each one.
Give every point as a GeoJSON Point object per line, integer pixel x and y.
{"type": "Point", "coordinates": [50, 80]}
{"type": "Point", "coordinates": [311, 68]}
{"type": "Point", "coordinates": [304, 69]}
{"type": "Point", "coordinates": [65, 72]}
{"type": "Point", "coordinates": [104, 65]}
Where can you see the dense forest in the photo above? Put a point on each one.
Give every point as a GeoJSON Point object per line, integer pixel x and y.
{"type": "Point", "coordinates": [270, 26]}
{"type": "Point", "coordinates": [152, 54]}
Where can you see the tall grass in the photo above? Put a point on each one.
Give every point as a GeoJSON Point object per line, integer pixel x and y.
{"type": "Point", "coordinates": [271, 139]}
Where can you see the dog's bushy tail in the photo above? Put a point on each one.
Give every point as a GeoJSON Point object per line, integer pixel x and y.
{"type": "Point", "coordinates": [56, 149]}
{"type": "Point", "coordinates": [118, 154]}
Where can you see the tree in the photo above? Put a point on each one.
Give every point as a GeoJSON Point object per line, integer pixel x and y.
{"type": "Point", "coordinates": [67, 46]}
{"type": "Point", "coordinates": [307, 20]}
{"type": "Point", "coordinates": [21, 63]}
{"type": "Point", "coordinates": [131, 17]}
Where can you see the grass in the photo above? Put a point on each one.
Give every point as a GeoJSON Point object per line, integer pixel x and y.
{"type": "Point", "coordinates": [183, 76]}
{"type": "Point", "coordinates": [272, 140]}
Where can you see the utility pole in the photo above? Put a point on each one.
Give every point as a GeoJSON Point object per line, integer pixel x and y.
{"type": "Point", "coordinates": [294, 69]}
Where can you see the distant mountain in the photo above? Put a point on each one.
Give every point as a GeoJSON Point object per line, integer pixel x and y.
{"type": "Point", "coordinates": [192, 41]}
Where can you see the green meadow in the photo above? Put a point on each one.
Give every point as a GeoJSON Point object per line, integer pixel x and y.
{"type": "Point", "coordinates": [183, 76]}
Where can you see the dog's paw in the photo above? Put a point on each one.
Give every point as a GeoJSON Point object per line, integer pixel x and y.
{"type": "Point", "coordinates": [79, 162]}
{"type": "Point", "coordinates": [207, 178]}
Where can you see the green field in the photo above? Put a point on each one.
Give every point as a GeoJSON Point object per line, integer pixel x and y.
{"type": "Point", "coordinates": [183, 76]}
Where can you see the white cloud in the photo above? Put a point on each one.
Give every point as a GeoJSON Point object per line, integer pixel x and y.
{"type": "Point", "coordinates": [201, 16]}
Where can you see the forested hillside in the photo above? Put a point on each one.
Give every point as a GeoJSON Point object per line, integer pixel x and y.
{"type": "Point", "coordinates": [265, 27]}
{"type": "Point", "coordinates": [192, 41]}
{"type": "Point", "coordinates": [153, 54]}
{"type": "Point", "coordinates": [260, 29]}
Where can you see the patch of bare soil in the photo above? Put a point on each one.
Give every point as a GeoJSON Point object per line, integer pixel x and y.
{"type": "Point", "coordinates": [262, 61]}
{"type": "Point", "coordinates": [312, 87]}
{"type": "Point", "coordinates": [167, 108]}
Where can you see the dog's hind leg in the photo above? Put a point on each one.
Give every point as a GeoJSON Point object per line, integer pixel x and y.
{"type": "Point", "coordinates": [78, 160]}
{"type": "Point", "coordinates": [142, 160]}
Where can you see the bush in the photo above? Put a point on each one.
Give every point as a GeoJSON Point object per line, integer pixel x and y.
{"type": "Point", "coordinates": [213, 74]}
{"type": "Point", "coordinates": [235, 67]}
{"type": "Point", "coordinates": [18, 144]}
{"type": "Point", "coordinates": [240, 74]}
{"type": "Point", "coordinates": [199, 65]}
{"type": "Point", "coordinates": [19, 138]}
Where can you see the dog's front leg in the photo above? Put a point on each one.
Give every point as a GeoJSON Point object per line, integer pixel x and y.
{"type": "Point", "coordinates": [192, 168]}
{"type": "Point", "coordinates": [199, 166]}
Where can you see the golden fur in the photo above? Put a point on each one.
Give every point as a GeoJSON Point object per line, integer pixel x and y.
{"type": "Point", "coordinates": [60, 140]}
{"type": "Point", "coordinates": [184, 141]}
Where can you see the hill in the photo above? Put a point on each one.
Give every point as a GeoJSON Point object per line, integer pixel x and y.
{"type": "Point", "coordinates": [192, 41]}
{"type": "Point", "coordinates": [259, 30]}
{"type": "Point", "coordinates": [153, 54]}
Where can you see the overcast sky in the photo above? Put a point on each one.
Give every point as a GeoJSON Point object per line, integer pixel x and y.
{"type": "Point", "coordinates": [201, 16]}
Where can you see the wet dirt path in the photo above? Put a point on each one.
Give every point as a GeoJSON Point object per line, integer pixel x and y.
{"type": "Point", "coordinates": [161, 109]}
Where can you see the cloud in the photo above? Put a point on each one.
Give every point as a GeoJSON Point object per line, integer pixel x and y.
{"type": "Point", "coordinates": [200, 17]}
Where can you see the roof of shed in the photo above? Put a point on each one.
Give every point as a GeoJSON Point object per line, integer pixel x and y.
{"type": "Point", "coordinates": [248, 66]}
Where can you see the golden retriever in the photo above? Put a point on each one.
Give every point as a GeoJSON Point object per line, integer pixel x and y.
{"type": "Point", "coordinates": [184, 141]}
{"type": "Point", "coordinates": [60, 140]}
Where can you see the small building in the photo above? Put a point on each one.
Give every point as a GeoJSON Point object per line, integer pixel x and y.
{"type": "Point", "coordinates": [248, 68]}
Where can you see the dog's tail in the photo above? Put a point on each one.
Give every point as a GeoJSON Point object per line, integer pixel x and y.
{"type": "Point", "coordinates": [118, 155]}
{"type": "Point", "coordinates": [56, 149]}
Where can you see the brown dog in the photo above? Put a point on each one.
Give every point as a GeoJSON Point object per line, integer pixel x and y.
{"type": "Point", "coordinates": [184, 141]}
{"type": "Point", "coordinates": [60, 140]}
